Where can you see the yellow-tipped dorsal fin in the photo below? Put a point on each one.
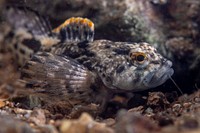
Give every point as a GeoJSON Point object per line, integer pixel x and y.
{"type": "Point", "coordinates": [76, 29]}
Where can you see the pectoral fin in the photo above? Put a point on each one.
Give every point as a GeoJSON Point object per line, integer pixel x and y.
{"type": "Point", "coordinates": [57, 75]}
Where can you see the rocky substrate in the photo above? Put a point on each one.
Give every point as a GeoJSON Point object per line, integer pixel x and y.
{"type": "Point", "coordinates": [158, 114]}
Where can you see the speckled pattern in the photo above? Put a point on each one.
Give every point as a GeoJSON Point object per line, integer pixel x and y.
{"type": "Point", "coordinates": [112, 61]}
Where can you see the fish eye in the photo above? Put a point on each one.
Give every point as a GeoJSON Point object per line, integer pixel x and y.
{"type": "Point", "coordinates": [138, 56]}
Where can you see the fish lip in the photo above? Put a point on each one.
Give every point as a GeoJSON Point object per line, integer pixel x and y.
{"type": "Point", "coordinates": [157, 78]}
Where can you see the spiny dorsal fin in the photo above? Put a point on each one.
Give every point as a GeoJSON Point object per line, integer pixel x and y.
{"type": "Point", "coordinates": [76, 30]}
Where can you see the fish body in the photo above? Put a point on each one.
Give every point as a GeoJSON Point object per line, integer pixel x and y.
{"type": "Point", "coordinates": [120, 65]}
{"type": "Point", "coordinates": [68, 62]}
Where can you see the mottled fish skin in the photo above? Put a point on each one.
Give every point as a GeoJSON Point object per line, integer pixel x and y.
{"type": "Point", "coordinates": [118, 64]}
{"type": "Point", "coordinates": [71, 64]}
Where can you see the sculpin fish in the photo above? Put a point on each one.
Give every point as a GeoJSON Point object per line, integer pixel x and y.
{"type": "Point", "coordinates": [68, 62]}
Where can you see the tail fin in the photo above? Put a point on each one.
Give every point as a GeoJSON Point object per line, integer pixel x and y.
{"type": "Point", "coordinates": [76, 30]}
{"type": "Point", "coordinates": [27, 32]}
{"type": "Point", "coordinates": [24, 17]}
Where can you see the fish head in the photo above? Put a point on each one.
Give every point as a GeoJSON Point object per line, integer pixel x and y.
{"type": "Point", "coordinates": [142, 68]}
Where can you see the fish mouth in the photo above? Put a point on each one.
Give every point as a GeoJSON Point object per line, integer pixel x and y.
{"type": "Point", "coordinates": [158, 77]}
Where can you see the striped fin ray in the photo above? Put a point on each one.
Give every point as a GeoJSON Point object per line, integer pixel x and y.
{"type": "Point", "coordinates": [57, 75]}
{"type": "Point", "coordinates": [76, 30]}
